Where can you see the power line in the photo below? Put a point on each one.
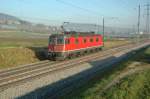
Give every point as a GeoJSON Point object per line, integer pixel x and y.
{"type": "Point", "coordinates": [69, 4]}
{"type": "Point", "coordinates": [75, 6]}
{"type": "Point", "coordinates": [84, 9]}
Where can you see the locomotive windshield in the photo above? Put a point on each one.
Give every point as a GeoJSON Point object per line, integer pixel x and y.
{"type": "Point", "coordinates": [60, 41]}
{"type": "Point", "coordinates": [52, 40]}
{"type": "Point", "coordinates": [56, 40]}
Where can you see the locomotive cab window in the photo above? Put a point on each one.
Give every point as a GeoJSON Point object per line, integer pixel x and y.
{"type": "Point", "coordinates": [56, 40]}
{"type": "Point", "coordinates": [52, 40]}
{"type": "Point", "coordinates": [67, 41]}
{"type": "Point", "coordinates": [60, 41]}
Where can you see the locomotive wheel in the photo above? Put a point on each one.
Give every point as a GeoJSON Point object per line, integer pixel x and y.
{"type": "Point", "coordinates": [95, 49]}
{"type": "Point", "coordinates": [73, 55]}
{"type": "Point", "coordinates": [100, 49]}
{"type": "Point", "coordinates": [85, 52]}
{"type": "Point", "coordinates": [70, 56]}
{"type": "Point", "coordinates": [91, 50]}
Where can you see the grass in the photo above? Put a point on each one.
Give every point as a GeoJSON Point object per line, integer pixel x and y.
{"type": "Point", "coordinates": [136, 86]}
{"type": "Point", "coordinates": [11, 57]}
{"type": "Point", "coordinates": [23, 39]}
{"type": "Point", "coordinates": [17, 48]}
{"type": "Point", "coordinates": [19, 34]}
{"type": "Point", "coordinates": [139, 86]}
{"type": "Point", "coordinates": [22, 42]}
{"type": "Point", "coordinates": [113, 43]}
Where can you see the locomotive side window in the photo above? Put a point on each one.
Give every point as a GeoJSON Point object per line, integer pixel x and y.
{"type": "Point", "coordinates": [76, 41]}
{"type": "Point", "coordinates": [84, 40]}
{"type": "Point", "coordinates": [67, 41]}
{"type": "Point", "coordinates": [91, 40]}
{"type": "Point", "coordinates": [97, 39]}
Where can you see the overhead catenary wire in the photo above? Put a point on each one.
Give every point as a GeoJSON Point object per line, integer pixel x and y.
{"type": "Point", "coordinates": [78, 7]}
{"type": "Point", "coordinates": [86, 10]}
{"type": "Point", "coordinates": [41, 20]}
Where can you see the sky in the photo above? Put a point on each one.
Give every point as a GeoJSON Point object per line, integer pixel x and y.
{"type": "Point", "coordinates": [81, 11]}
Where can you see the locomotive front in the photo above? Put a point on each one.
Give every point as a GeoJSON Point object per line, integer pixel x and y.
{"type": "Point", "coordinates": [56, 46]}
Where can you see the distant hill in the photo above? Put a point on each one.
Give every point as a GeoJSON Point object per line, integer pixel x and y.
{"type": "Point", "coordinates": [9, 22]}
{"type": "Point", "coordinates": [8, 19]}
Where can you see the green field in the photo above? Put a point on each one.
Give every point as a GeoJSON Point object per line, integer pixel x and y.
{"type": "Point", "coordinates": [22, 42]}
{"type": "Point", "coordinates": [20, 34]}
{"type": "Point", "coordinates": [134, 87]}
{"type": "Point", "coordinates": [22, 39]}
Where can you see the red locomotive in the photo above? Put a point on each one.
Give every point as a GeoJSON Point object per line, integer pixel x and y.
{"type": "Point", "coordinates": [70, 44]}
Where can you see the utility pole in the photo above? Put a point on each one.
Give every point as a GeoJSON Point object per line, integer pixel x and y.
{"type": "Point", "coordinates": [104, 19]}
{"type": "Point", "coordinates": [147, 18]}
{"type": "Point", "coordinates": [139, 15]}
{"type": "Point", "coordinates": [103, 30]}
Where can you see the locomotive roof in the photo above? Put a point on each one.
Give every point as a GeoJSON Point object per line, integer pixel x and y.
{"type": "Point", "coordinates": [69, 34]}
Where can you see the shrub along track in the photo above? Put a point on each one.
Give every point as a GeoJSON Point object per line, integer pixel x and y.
{"type": "Point", "coordinates": [123, 75]}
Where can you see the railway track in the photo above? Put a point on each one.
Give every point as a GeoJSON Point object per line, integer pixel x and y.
{"type": "Point", "coordinates": [23, 73]}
